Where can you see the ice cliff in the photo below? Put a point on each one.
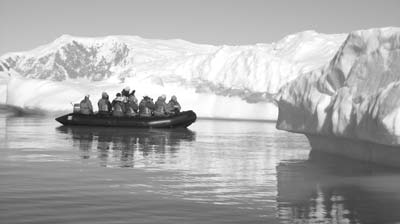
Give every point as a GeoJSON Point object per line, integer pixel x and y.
{"type": "Point", "coordinates": [356, 95]}
{"type": "Point", "coordinates": [215, 81]}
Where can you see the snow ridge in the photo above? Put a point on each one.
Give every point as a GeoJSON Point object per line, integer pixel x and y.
{"type": "Point", "coordinates": [258, 68]}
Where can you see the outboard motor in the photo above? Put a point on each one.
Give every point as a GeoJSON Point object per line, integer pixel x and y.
{"type": "Point", "coordinates": [77, 108]}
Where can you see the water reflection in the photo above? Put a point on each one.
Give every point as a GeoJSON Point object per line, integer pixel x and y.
{"type": "Point", "coordinates": [224, 163]}
{"type": "Point", "coordinates": [119, 146]}
{"type": "Point", "coordinates": [330, 189]}
{"type": "Point", "coordinates": [240, 166]}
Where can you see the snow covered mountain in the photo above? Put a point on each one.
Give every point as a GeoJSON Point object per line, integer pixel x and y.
{"type": "Point", "coordinates": [215, 81]}
{"type": "Point", "coordinates": [355, 96]}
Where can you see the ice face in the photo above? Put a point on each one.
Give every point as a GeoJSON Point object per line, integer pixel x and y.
{"type": "Point", "coordinates": [215, 81]}
{"type": "Point", "coordinates": [355, 95]}
{"type": "Point", "coordinates": [4, 78]}
{"type": "Point", "coordinates": [54, 96]}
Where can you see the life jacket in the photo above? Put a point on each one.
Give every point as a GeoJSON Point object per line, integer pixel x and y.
{"type": "Point", "coordinates": [118, 107]}
{"type": "Point", "coordinates": [131, 108]}
{"type": "Point", "coordinates": [132, 98]}
{"type": "Point", "coordinates": [130, 112]}
{"type": "Point", "coordinates": [118, 111]}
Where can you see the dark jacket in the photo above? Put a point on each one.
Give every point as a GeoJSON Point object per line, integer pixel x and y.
{"type": "Point", "coordinates": [125, 93]}
{"type": "Point", "coordinates": [146, 106]}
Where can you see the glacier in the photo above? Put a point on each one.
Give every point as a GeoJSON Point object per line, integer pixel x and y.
{"type": "Point", "coordinates": [350, 106]}
{"type": "Point", "coordinates": [239, 82]}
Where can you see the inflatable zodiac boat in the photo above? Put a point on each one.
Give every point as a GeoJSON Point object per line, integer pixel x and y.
{"type": "Point", "coordinates": [179, 120]}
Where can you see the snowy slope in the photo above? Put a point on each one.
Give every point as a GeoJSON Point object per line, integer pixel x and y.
{"type": "Point", "coordinates": [215, 81]}
{"type": "Point", "coordinates": [355, 96]}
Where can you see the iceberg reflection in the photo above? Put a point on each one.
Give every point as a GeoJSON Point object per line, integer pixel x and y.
{"type": "Point", "coordinates": [333, 189]}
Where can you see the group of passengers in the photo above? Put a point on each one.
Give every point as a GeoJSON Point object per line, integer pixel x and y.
{"type": "Point", "coordinates": [126, 104]}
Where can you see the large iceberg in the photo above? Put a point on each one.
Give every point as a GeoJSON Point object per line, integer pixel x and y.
{"type": "Point", "coordinates": [350, 106]}
{"type": "Point", "coordinates": [215, 81]}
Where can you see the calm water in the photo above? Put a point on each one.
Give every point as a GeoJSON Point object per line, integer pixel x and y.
{"type": "Point", "coordinates": [216, 172]}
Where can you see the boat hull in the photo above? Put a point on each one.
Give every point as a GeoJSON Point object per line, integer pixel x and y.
{"type": "Point", "coordinates": [183, 119]}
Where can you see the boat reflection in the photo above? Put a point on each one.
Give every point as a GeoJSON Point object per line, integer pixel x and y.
{"type": "Point", "coordinates": [120, 146]}
{"type": "Point", "coordinates": [330, 189]}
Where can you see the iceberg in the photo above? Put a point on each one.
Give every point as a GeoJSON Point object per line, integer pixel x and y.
{"type": "Point", "coordinates": [237, 82]}
{"type": "Point", "coordinates": [350, 106]}
{"type": "Point", "coordinates": [3, 87]}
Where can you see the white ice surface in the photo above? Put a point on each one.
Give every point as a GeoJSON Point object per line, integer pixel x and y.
{"type": "Point", "coordinates": [56, 96]}
{"type": "Point", "coordinates": [4, 78]}
{"type": "Point", "coordinates": [214, 81]}
{"type": "Point", "coordinates": [355, 96]}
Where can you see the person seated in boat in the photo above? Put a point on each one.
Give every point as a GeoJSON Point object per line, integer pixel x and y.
{"type": "Point", "coordinates": [125, 94]}
{"type": "Point", "coordinates": [130, 97]}
{"type": "Point", "coordinates": [104, 104]}
{"type": "Point", "coordinates": [146, 107]}
{"type": "Point", "coordinates": [173, 107]}
{"type": "Point", "coordinates": [160, 106]}
{"type": "Point", "coordinates": [118, 106]}
{"type": "Point", "coordinates": [133, 97]}
{"type": "Point", "coordinates": [86, 106]}
{"type": "Point", "coordinates": [131, 106]}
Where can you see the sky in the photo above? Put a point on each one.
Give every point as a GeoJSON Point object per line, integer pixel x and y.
{"type": "Point", "coordinates": [26, 24]}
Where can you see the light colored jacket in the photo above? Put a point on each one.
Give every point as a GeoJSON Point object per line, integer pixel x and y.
{"type": "Point", "coordinates": [173, 107]}
{"type": "Point", "coordinates": [160, 107]}
{"type": "Point", "coordinates": [104, 105]}
{"type": "Point", "coordinates": [86, 106]}
{"type": "Point", "coordinates": [131, 106]}
{"type": "Point", "coordinates": [118, 107]}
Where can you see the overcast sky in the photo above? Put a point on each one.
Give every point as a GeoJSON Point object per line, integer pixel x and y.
{"type": "Point", "coordinates": [29, 23]}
